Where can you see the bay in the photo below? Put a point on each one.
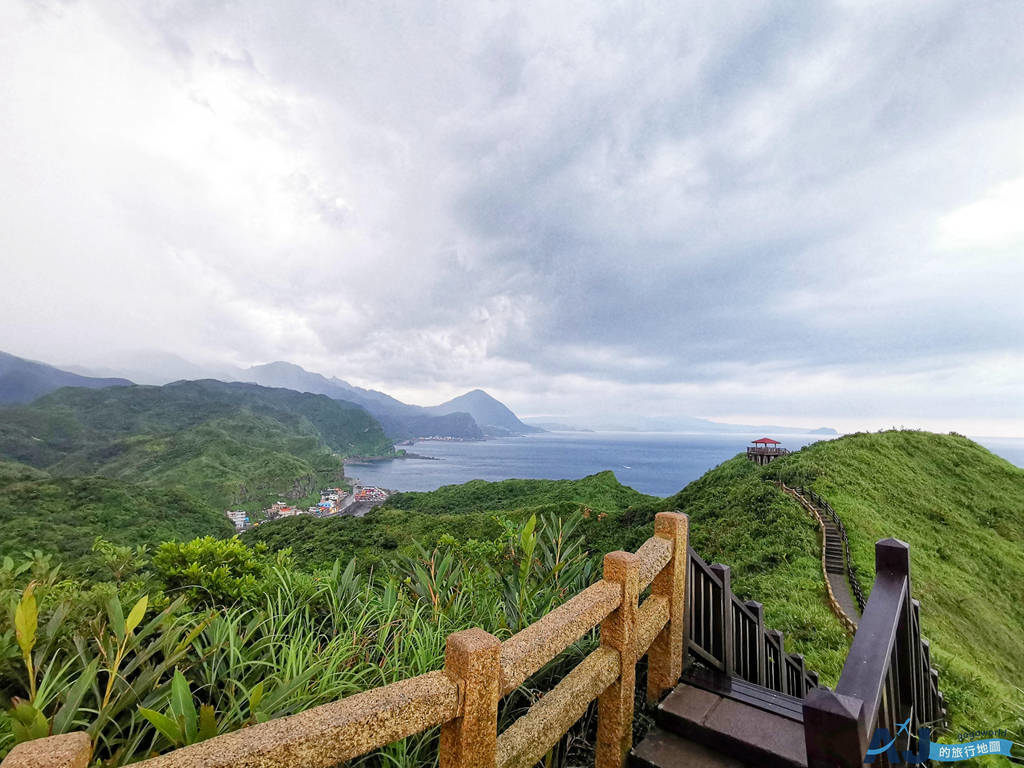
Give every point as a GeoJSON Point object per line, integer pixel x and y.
{"type": "Point", "coordinates": [657, 463]}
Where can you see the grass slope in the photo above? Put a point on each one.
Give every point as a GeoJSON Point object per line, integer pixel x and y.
{"type": "Point", "coordinates": [64, 515]}
{"type": "Point", "coordinates": [227, 443]}
{"type": "Point", "coordinates": [961, 509]}
{"type": "Point", "coordinates": [771, 546]}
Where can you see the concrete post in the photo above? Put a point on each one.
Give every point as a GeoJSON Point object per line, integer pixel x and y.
{"type": "Point", "coordinates": [472, 662]}
{"type": "Point", "coordinates": [68, 750]}
{"type": "Point", "coordinates": [665, 659]}
{"type": "Point", "coordinates": [618, 631]}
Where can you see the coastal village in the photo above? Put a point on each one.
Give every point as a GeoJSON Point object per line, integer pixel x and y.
{"type": "Point", "coordinates": [333, 502]}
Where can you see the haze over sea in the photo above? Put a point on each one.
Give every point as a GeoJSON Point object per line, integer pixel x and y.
{"type": "Point", "coordinates": [657, 463]}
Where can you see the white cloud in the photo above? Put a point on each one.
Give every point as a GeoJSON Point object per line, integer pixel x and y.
{"type": "Point", "coordinates": [573, 207]}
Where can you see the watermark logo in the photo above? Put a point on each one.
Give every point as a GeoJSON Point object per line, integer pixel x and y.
{"type": "Point", "coordinates": [983, 743]}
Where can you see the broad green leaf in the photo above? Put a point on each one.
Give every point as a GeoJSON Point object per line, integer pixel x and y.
{"type": "Point", "coordinates": [196, 631]}
{"type": "Point", "coordinates": [164, 724]}
{"type": "Point", "coordinates": [182, 706]}
{"type": "Point", "coordinates": [207, 723]}
{"type": "Point", "coordinates": [116, 616]}
{"type": "Point", "coordinates": [38, 729]}
{"type": "Point", "coordinates": [26, 620]}
{"type": "Point", "coordinates": [255, 697]}
{"type": "Point", "coordinates": [64, 719]}
{"type": "Point", "coordinates": [136, 614]}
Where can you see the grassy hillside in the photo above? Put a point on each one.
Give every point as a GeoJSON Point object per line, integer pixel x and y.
{"type": "Point", "coordinates": [63, 516]}
{"type": "Point", "coordinates": [961, 509]}
{"type": "Point", "coordinates": [771, 546]}
{"type": "Point", "coordinates": [227, 443]}
{"type": "Point", "coordinates": [469, 511]}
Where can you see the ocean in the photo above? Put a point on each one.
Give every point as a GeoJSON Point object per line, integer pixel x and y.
{"type": "Point", "coordinates": [657, 463]}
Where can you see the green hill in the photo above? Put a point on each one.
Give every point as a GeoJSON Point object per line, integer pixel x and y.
{"type": "Point", "coordinates": [229, 444]}
{"type": "Point", "coordinates": [960, 508]}
{"type": "Point", "coordinates": [65, 515]}
{"type": "Point", "coordinates": [469, 511]}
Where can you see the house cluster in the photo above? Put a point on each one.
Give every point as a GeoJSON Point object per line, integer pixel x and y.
{"type": "Point", "coordinates": [239, 517]}
{"type": "Point", "coordinates": [371, 493]}
{"type": "Point", "coordinates": [330, 502]}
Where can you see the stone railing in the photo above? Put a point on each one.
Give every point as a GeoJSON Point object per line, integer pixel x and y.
{"type": "Point", "coordinates": [479, 670]}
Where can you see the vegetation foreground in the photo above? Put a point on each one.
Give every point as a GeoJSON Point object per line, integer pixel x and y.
{"type": "Point", "coordinates": [165, 644]}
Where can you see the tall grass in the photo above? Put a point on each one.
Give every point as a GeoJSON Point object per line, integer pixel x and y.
{"type": "Point", "coordinates": [170, 676]}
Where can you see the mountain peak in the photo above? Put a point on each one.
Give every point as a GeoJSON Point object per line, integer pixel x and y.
{"type": "Point", "coordinates": [493, 416]}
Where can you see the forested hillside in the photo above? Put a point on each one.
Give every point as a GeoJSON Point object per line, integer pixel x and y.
{"type": "Point", "coordinates": [228, 444]}
{"type": "Point", "coordinates": [474, 510]}
{"type": "Point", "coordinates": [63, 516]}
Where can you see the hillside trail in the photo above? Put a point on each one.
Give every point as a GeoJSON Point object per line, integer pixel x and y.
{"type": "Point", "coordinates": [834, 560]}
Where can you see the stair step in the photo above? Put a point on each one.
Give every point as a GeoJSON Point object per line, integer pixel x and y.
{"type": "Point", "coordinates": [750, 734]}
{"type": "Point", "coordinates": [834, 569]}
{"type": "Point", "coordinates": [662, 749]}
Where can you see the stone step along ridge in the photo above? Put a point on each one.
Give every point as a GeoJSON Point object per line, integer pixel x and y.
{"type": "Point", "coordinates": [834, 568]}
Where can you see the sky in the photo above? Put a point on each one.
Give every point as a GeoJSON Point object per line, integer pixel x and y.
{"type": "Point", "coordinates": [800, 213]}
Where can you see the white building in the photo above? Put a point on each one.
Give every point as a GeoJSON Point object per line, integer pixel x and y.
{"type": "Point", "coordinates": [239, 517]}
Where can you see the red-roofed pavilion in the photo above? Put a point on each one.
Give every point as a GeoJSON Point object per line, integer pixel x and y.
{"type": "Point", "coordinates": [765, 451]}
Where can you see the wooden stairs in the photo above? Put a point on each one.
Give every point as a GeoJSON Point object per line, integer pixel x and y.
{"type": "Point", "coordinates": [711, 720]}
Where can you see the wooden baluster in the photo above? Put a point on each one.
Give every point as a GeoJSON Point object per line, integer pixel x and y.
{"type": "Point", "coordinates": [665, 659]}
{"type": "Point", "coordinates": [801, 679]}
{"type": "Point", "coordinates": [926, 664]}
{"type": "Point", "coordinates": [759, 671]}
{"type": "Point", "coordinates": [723, 573]}
{"type": "Point", "coordinates": [618, 631]}
{"type": "Point", "coordinates": [780, 657]}
{"type": "Point", "coordinates": [472, 662]}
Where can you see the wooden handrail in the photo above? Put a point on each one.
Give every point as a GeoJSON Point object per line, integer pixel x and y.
{"type": "Point", "coordinates": [887, 677]}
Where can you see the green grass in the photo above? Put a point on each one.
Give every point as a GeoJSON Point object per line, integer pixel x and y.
{"type": "Point", "coordinates": [772, 548]}
{"type": "Point", "coordinates": [961, 509]}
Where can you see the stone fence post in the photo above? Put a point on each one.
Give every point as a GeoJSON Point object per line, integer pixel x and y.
{"type": "Point", "coordinates": [665, 658]}
{"type": "Point", "coordinates": [618, 631]}
{"type": "Point", "coordinates": [472, 662]}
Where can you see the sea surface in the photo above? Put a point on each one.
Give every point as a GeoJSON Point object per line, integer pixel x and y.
{"type": "Point", "coordinates": [657, 463]}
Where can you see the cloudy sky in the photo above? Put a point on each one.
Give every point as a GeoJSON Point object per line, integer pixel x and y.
{"type": "Point", "coordinates": [802, 213]}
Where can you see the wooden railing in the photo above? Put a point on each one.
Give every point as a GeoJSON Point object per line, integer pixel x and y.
{"type": "Point", "coordinates": [887, 677]}
{"type": "Point", "coordinates": [851, 569]}
{"type": "Point", "coordinates": [690, 611]}
{"type": "Point", "coordinates": [752, 451]}
{"type": "Point", "coordinates": [729, 634]}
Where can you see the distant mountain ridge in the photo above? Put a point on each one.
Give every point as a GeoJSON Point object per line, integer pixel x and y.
{"type": "Point", "coordinates": [22, 381]}
{"type": "Point", "coordinates": [399, 420]}
{"type": "Point", "coordinates": [495, 418]}
{"type": "Point", "coordinates": [225, 443]}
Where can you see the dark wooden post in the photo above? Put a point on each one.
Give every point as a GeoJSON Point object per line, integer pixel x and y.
{"type": "Point", "coordinates": [832, 731]}
{"type": "Point", "coordinates": [724, 575]}
{"type": "Point", "coordinates": [758, 610]}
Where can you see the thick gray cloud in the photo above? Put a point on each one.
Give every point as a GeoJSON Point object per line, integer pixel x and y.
{"type": "Point", "coordinates": [771, 212]}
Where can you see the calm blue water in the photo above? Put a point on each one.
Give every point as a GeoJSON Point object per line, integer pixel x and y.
{"type": "Point", "coordinates": [656, 463]}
